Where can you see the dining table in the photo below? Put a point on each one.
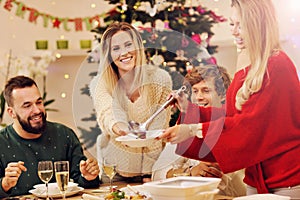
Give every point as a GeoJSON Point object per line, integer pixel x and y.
{"type": "Point", "coordinates": [97, 192]}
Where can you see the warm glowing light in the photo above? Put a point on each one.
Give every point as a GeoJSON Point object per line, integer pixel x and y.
{"type": "Point", "coordinates": [63, 95]}
{"type": "Point", "coordinates": [62, 37]}
{"type": "Point", "coordinates": [13, 36]}
{"type": "Point", "coordinates": [93, 5]}
{"type": "Point", "coordinates": [96, 23]}
{"type": "Point", "coordinates": [58, 55]}
{"type": "Point", "coordinates": [66, 76]}
{"type": "Point", "coordinates": [53, 3]}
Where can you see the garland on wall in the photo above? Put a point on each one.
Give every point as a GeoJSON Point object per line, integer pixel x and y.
{"type": "Point", "coordinates": [54, 21]}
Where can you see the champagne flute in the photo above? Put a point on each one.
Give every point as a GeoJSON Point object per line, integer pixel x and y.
{"type": "Point", "coordinates": [109, 168]}
{"type": "Point", "coordinates": [45, 172]}
{"type": "Point", "coordinates": [62, 176]}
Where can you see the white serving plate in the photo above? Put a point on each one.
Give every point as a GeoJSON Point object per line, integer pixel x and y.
{"type": "Point", "coordinates": [183, 187]}
{"type": "Point", "coordinates": [133, 141]}
{"type": "Point", "coordinates": [208, 195]}
{"type": "Point", "coordinates": [263, 197]}
{"type": "Point", "coordinates": [40, 190]}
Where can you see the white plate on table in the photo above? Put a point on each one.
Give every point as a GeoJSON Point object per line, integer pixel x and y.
{"type": "Point", "coordinates": [263, 197]}
{"type": "Point", "coordinates": [40, 190]}
{"type": "Point", "coordinates": [133, 140]}
{"type": "Point", "coordinates": [183, 188]}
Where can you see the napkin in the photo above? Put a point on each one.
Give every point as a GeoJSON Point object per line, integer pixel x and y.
{"type": "Point", "coordinates": [91, 197]}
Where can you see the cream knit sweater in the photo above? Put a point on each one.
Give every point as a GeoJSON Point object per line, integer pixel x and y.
{"type": "Point", "coordinates": [131, 161]}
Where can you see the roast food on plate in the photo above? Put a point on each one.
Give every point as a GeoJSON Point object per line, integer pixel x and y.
{"type": "Point", "coordinates": [120, 195]}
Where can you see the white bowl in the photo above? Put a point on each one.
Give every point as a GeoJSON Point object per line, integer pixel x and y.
{"type": "Point", "coordinates": [183, 187]}
{"type": "Point", "coordinates": [133, 140]}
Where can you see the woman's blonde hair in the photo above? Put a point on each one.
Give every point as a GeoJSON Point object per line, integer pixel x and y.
{"type": "Point", "coordinates": [107, 68]}
{"type": "Point", "coordinates": [261, 37]}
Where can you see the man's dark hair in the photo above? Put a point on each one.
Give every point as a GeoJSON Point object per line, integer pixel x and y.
{"type": "Point", "coordinates": [16, 83]}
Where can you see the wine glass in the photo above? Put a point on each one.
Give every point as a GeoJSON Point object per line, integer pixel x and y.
{"type": "Point", "coordinates": [62, 176]}
{"type": "Point", "coordinates": [109, 167]}
{"type": "Point", "coordinates": [45, 172]}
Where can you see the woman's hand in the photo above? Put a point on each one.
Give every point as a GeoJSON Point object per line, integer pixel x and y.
{"type": "Point", "coordinates": [181, 101]}
{"type": "Point", "coordinates": [207, 169]}
{"type": "Point", "coordinates": [120, 129]}
{"type": "Point", "coordinates": [177, 133]}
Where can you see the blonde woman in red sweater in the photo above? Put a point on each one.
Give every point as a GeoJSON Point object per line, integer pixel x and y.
{"type": "Point", "coordinates": [259, 128]}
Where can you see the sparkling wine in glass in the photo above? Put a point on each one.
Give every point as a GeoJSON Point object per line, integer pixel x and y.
{"type": "Point", "coordinates": [109, 168]}
{"type": "Point", "coordinates": [62, 176]}
{"type": "Point", "coordinates": [45, 172]}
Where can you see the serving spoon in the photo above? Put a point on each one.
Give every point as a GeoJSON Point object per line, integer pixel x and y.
{"type": "Point", "coordinates": [140, 129]}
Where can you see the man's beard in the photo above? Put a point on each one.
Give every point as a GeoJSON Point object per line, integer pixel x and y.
{"type": "Point", "coordinates": [34, 130]}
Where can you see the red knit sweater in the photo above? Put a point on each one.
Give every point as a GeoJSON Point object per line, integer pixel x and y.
{"type": "Point", "coordinates": [264, 137]}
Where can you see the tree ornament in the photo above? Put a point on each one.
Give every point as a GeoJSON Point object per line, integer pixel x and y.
{"type": "Point", "coordinates": [166, 24]}
{"type": "Point", "coordinates": [201, 10]}
{"type": "Point", "coordinates": [123, 17]}
{"type": "Point", "coordinates": [212, 60]}
{"type": "Point", "coordinates": [191, 11]}
{"type": "Point", "coordinates": [188, 67]}
{"type": "Point", "coordinates": [151, 11]}
{"type": "Point", "coordinates": [124, 6]}
{"type": "Point", "coordinates": [159, 25]}
{"type": "Point", "coordinates": [157, 59]}
{"type": "Point", "coordinates": [184, 42]}
{"type": "Point", "coordinates": [137, 4]}
{"type": "Point", "coordinates": [196, 38]}
{"type": "Point", "coordinates": [164, 48]}
{"type": "Point", "coordinates": [153, 37]}
{"type": "Point", "coordinates": [180, 55]}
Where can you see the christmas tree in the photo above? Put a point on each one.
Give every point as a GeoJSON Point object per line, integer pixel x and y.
{"type": "Point", "coordinates": [176, 37]}
{"type": "Point", "coordinates": [179, 33]}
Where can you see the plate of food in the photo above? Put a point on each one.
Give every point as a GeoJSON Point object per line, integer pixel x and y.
{"type": "Point", "coordinates": [53, 190]}
{"type": "Point", "coordinates": [134, 140]}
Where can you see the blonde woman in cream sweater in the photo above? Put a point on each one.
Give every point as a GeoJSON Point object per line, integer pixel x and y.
{"type": "Point", "coordinates": [127, 89]}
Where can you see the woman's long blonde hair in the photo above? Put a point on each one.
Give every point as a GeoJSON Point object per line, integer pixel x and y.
{"type": "Point", "coordinates": [261, 36]}
{"type": "Point", "coordinates": [107, 68]}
